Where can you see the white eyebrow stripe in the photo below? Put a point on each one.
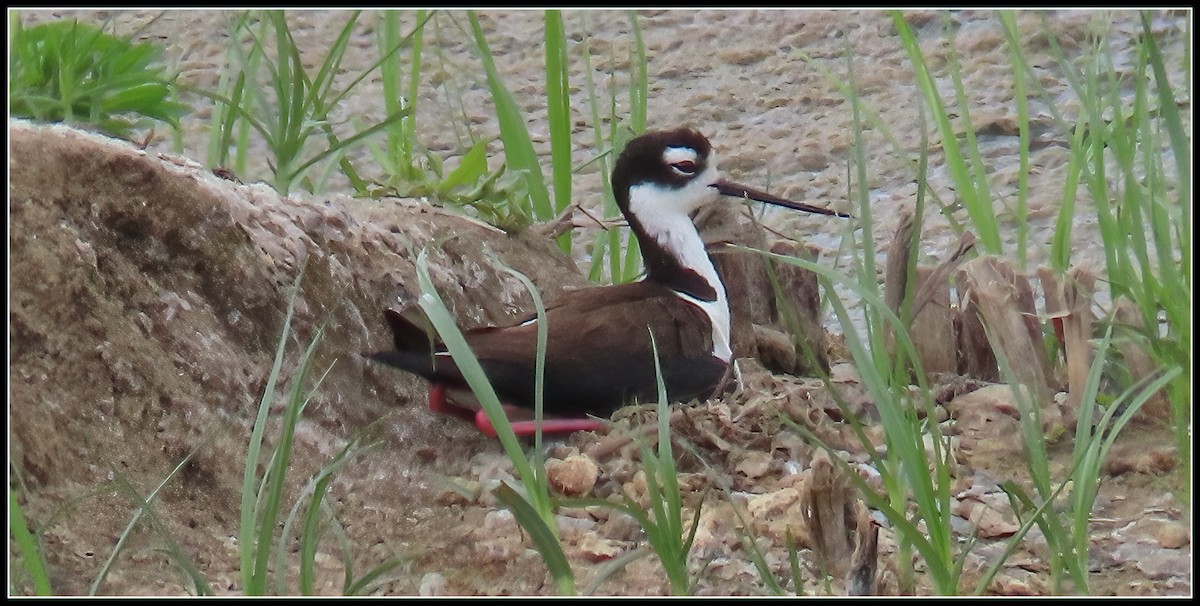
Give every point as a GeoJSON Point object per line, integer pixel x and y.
{"type": "Point", "coordinates": [675, 155]}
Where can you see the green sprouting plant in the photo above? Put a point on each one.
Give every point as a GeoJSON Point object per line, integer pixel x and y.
{"type": "Point", "coordinates": [664, 527]}
{"type": "Point", "coordinates": [32, 556]}
{"type": "Point", "coordinates": [499, 197]}
{"type": "Point", "coordinates": [495, 196]}
{"type": "Point", "coordinates": [1120, 142]}
{"type": "Point", "coordinates": [909, 475]}
{"type": "Point", "coordinates": [293, 109]}
{"type": "Point", "coordinates": [1097, 427]}
{"type": "Point", "coordinates": [262, 494]}
{"type": "Point", "coordinates": [262, 504]}
{"type": "Point", "coordinates": [1142, 206]}
{"type": "Point", "coordinates": [145, 510]}
{"type": "Point", "coordinates": [532, 507]}
{"type": "Point", "coordinates": [514, 195]}
{"type": "Point", "coordinates": [616, 251]}
{"type": "Point", "coordinates": [227, 133]}
{"type": "Point", "coordinates": [410, 169]}
{"type": "Point", "coordinates": [917, 484]}
{"type": "Point", "coordinates": [519, 154]}
{"type": "Point", "coordinates": [66, 71]}
{"type": "Point", "coordinates": [399, 156]}
{"type": "Point", "coordinates": [913, 481]}
{"type": "Point", "coordinates": [518, 147]}
{"type": "Point", "coordinates": [1123, 142]}
{"type": "Point", "coordinates": [966, 167]}
{"type": "Point", "coordinates": [663, 523]}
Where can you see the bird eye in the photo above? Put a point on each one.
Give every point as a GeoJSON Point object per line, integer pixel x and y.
{"type": "Point", "coordinates": [686, 168]}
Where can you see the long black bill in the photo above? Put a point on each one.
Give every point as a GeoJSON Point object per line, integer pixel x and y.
{"type": "Point", "coordinates": [730, 188]}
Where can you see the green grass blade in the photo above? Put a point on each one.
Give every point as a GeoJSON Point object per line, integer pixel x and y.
{"type": "Point", "coordinates": [408, 132]}
{"type": "Point", "coordinates": [360, 585]}
{"type": "Point", "coordinates": [867, 272]}
{"type": "Point", "coordinates": [1171, 229]}
{"type": "Point", "coordinates": [225, 119]}
{"type": "Point", "coordinates": [1012, 38]}
{"type": "Point", "coordinates": [315, 490]}
{"type": "Point", "coordinates": [533, 481]}
{"type": "Point", "coordinates": [518, 147]}
{"type": "Point", "coordinates": [1181, 145]}
{"type": "Point", "coordinates": [322, 82]}
{"type": "Point", "coordinates": [133, 521]}
{"type": "Point", "coordinates": [146, 510]}
{"type": "Point", "coordinates": [274, 480]}
{"type": "Point", "coordinates": [339, 146]}
{"type": "Point", "coordinates": [247, 536]}
{"type": "Point", "coordinates": [542, 490]}
{"type": "Point", "coordinates": [628, 270]}
{"type": "Point", "coordinates": [905, 437]}
{"type": "Point", "coordinates": [389, 74]}
{"type": "Point", "coordinates": [978, 174]}
{"type": "Point", "coordinates": [310, 536]}
{"type": "Point", "coordinates": [544, 538]}
{"type": "Point", "coordinates": [1060, 245]}
{"type": "Point", "coordinates": [606, 241]}
{"type": "Point", "coordinates": [31, 557]}
{"type": "Point", "coordinates": [794, 564]}
{"type": "Point", "coordinates": [470, 169]}
{"type": "Point", "coordinates": [662, 484]}
{"type": "Point", "coordinates": [1055, 532]}
{"type": "Point", "coordinates": [1020, 501]}
{"type": "Point", "coordinates": [280, 460]}
{"type": "Point", "coordinates": [979, 209]}
{"type": "Point", "coordinates": [639, 81]}
{"type": "Point", "coordinates": [558, 112]}
{"type": "Point", "coordinates": [401, 139]}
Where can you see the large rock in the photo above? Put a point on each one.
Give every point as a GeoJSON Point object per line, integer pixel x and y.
{"type": "Point", "coordinates": [147, 299]}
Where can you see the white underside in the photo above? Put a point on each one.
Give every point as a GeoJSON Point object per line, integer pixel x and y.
{"type": "Point", "coordinates": [666, 216]}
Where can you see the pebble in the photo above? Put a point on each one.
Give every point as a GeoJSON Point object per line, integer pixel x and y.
{"type": "Point", "coordinates": [574, 476]}
{"type": "Point", "coordinates": [432, 584]}
{"type": "Point", "coordinates": [1173, 535]}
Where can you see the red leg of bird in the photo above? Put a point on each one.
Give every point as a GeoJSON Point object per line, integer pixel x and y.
{"type": "Point", "coordinates": [518, 417]}
{"type": "Point", "coordinates": [529, 427]}
{"type": "Point", "coordinates": [439, 403]}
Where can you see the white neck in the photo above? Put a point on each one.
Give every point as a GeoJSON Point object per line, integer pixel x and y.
{"type": "Point", "coordinates": [664, 214]}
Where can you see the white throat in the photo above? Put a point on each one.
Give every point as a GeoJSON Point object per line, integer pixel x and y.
{"type": "Point", "coordinates": [665, 215]}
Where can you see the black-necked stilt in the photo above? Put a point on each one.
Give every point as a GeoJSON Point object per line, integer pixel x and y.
{"type": "Point", "coordinates": [598, 356]}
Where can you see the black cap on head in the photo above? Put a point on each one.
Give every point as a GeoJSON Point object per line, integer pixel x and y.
{"type": "Point", "coordinates": [642, 160]}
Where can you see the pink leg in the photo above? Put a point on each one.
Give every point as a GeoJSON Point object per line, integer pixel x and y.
{"type": "Point", "coordinates": [439, 403]}
{"type": "Point", "coordinates": [518, 417]}
{"type": "Point", "coordinates": [527, 428]}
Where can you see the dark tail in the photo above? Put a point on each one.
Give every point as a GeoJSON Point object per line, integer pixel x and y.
{"type": "Point", "coordinates": [414, 348]}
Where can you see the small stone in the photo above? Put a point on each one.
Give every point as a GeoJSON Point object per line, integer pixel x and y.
{"type": "Point", "coordinates": [1173, 535]}
{"type": "Point", "coordinates": [599, 549]}
{"type": "Point", "coordinates": [574, 476]}
{"type": "Point", "coordinates": [432, 584]}
{"type": "Point", "coordinates": [755, 464]}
